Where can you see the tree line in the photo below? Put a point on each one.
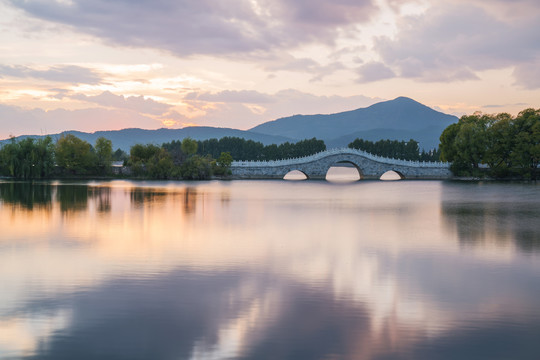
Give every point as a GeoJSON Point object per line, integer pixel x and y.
{"type": "Point", "coordinates": [42, 158]}
{"type": "Point", "coordinates": [405, 150]}
{"type": "Point", "coordinates": [176, 162]}
{"type": "Point", "coordinates": [509, 146]}
{"type": "Point", "coordinates": [242, 149]}
{"type": "Point", "coordinates": [180, 159]}
{"type": "Point", "coordinates": [71, 156]}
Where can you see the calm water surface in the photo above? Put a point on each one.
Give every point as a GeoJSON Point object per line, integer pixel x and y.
{"type": "Point", "coordinates": [269, 270]}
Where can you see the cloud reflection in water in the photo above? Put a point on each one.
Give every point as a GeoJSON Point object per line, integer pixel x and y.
{"type": "Point", "coordinates": [260, 270]}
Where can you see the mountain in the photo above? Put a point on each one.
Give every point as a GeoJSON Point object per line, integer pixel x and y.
{"type": "Point", "coordinates": [399, 119]}
{"type": "Point", "coordinates": [126, 138]}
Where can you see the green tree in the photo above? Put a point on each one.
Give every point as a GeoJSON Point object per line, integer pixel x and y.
{"type": "Point", "coordinates": [161, 166]}
{"type": "Point", "coordinates": [75, 156]}
{"type": "Point", "coordinates": [104, 155]}
{"type": "Point", "coordinates": [140, 157]}
{"type": "Point", "coordinates": [222, 164]}
{"type": "Point", "coordinates": [45, 154]}
{"type": "Point", "coordinates": [500, 140]}
{"type": "Point", "coordinates": [189, 146]}
{"type": "Point", "coordinates": [471, 140]}
{"type": "Point", "coordinates": [406, 150]}
{"type": "Point", "coordinates": [447, 143]}
{"type": "Point", "coordinates": [120, 155]}
{"type": "Point", "coordinates": [411, 151]}
{"type": "Point", "coordinates": [526, 153]}
{"type": "Point", "coordinates": [174, 148]}
{"type": "Point", "coordinates": [153, 162]}
{"type": "Point", "coordinates": [225, 159]}
{"type": "Point", "coordinates": [9, 158]}
{"type": "Point", "coordinates": [509, 146]}
{"type": "Point", "coordinates": [28, 158]}
{"type": "Point", "coordinates": [197, 167]}
{"type": "Point", "coordinates": [242, 149]}
{"type": "Point", "coordinates": [465, 144]}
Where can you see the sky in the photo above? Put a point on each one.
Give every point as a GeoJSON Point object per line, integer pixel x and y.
{"type": "Point", "coordinates": [114, 64]}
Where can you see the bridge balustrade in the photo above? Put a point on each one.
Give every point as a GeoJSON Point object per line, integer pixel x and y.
{"type": "Point", "coordinates": [337, 151]}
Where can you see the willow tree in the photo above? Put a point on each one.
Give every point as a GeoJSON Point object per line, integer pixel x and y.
{"type": "Point", "coordinates": [28, 158]}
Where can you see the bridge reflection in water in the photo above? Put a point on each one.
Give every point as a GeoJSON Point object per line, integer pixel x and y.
{"type": "Point", "coordinates": [317, 166]}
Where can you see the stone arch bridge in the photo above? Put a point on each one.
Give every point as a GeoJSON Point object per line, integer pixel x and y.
{"type": "Point", "coordinates": [316, 166]}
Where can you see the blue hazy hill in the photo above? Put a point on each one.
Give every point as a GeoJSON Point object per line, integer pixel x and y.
{"type": "Point", "coordinates": [126, 138]}
{"type": "Point", "coordinates": [399, 119]}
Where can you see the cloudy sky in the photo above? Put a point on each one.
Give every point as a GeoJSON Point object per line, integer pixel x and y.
{"type": "Point", "coordinates": [113, 64]}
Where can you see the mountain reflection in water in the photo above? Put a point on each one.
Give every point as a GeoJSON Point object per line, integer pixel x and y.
{"type": "Point", "coordinates": [269, 270]}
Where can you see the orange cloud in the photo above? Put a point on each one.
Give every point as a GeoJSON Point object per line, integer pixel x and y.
{"type": "Point", "coordinates": [168, 123]}
{"type": "Point", "coordinates": [189, 124]}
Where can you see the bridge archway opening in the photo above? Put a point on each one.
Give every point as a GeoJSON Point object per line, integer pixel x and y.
{"type": "Point", "coordinates": [295, 175]}
{"type": "Point", "coordinates": [343, 172]}
{"type": "Point", "coordinates": [392, 175]}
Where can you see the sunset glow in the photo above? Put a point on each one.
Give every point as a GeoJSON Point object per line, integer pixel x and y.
{"type": "Point", "coordinates": [101, 65]}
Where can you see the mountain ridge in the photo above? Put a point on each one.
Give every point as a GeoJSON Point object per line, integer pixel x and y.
{"type": "Point", "coordinates": [399, 119]}
{"type": "Point", "coordinates": [125, 138]}
{"type": "Point", "coordinates": [401, 114]}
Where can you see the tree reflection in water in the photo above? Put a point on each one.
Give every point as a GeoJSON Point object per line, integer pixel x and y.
{"type": "Point", "coordinates": [26, 194]}
{"type": "Point", "coordinates": [479, 223]}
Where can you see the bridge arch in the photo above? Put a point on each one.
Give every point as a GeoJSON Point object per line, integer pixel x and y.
{"type": "Point", "coordinates": [392, 175]}
{"type": "Point", "coordinates": [344, 170]}
{"type": "Point", "coordinates": [296, 175]}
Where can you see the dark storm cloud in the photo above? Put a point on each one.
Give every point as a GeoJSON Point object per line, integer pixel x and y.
{"type": "Point", "coordinates": [453, 42]}
{"type": "Point", "coordinates": [187, 27]}
{"type": "Point", "coordinates": [61, 73]}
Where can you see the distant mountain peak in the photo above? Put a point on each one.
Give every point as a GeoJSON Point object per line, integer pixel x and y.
{"type": "Point", "coordinates": [402, 118]}
{"type": "Point", "coordinates": [404, 98]}
{"type": "Point", "coordinates": [401, 101]}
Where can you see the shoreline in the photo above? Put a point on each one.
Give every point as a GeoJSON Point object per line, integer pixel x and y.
{"type": "Point", "coordinates": [464, 179]}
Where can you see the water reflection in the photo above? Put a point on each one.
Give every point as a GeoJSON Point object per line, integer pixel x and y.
{"type": "Point", "coordinates": [139, 196]}
{"type": "Point", "coordinates": [230, 315]}
{"type": "Point", "coordinates": [102, 194]}
{"type": "Point", "coordinates": [190, 200]}
{"type": "Point", "coordinates": [489, 217]}
{"type": "Point", "coordinates": [72, 198]}
{"type": "Point", "coordinates": [26, 194]}
{"type": "Point", "coordinates": [254, 270]}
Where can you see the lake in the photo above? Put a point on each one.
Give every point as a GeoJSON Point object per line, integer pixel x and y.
{"type": "Point", "coordinates": [269, 270]}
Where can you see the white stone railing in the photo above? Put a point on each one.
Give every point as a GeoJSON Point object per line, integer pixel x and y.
{"type": "Point", "coordinates": [340, 151]}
